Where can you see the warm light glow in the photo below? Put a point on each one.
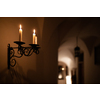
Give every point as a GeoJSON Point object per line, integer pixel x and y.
{"type": "Point", "coordinates": [60, 76]}
{"type": "Point", "coordinates": [62, 68]}
{"type": "Point", "coordinates": [66, 60]}
{"type": "Point", "coordinates": [20, 26]}
{"type": "Point", "coordinates": [34, 37]}
{"type": "Point", "coordinates": [20, 33]}
{"type": "Point", "coordinates": [34, 31]}
{"type": "Point", "coordinates": [68, 80]}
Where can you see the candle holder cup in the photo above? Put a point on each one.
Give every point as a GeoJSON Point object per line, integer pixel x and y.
{"type": "Point", "coordinates": [35, 48]}
{"type": "Point", "coordinates": [19, 43]}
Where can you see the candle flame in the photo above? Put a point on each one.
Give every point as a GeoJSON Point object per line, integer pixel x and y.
{"type": "Point", "coordinates": [20, 26]}
{"type": "Point", "coordinates": [34, 30]}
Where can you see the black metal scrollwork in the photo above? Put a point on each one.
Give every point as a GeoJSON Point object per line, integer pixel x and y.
{"type": "Point", "coordinates": [12, 62]}
{"type": "Point", "coordinates": [26, 51]}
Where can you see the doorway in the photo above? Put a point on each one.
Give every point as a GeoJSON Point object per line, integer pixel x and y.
{"type": "Point", "coordinates": [62, 72]}
{"type": "Point", "coordinates": [81, 69]}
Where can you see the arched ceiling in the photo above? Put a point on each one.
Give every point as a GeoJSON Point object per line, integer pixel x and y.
{"type": "Point", "coordinates": [86, 29]}
{"type": "Point", "coordinates": [68, 28]}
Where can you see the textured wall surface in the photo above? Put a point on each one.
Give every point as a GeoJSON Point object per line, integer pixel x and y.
{"type": "Point", "coordinates": [53, 33]}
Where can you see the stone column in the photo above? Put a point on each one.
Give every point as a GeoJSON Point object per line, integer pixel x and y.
{"type": "Point", "coordinates": [77, 53]}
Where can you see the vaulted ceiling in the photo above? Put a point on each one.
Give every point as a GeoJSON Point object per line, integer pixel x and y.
{"type": "Point", "coordinates": [85, 28]}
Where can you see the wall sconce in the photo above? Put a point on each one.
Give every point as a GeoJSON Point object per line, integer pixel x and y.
{"type": "Point", "coordinates": [26, 51]}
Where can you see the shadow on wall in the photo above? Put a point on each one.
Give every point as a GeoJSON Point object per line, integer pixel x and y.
{"type": "Point", "coordinates": [16, 76]}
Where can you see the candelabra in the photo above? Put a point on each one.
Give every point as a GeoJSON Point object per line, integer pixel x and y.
{"type": "Point", "coordinates": [26, 51]}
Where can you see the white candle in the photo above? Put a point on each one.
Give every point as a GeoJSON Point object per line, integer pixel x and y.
{"type": "Point", "coordinates": [34, 37]}
{"type": "Point", "coordinates": [20, 34]}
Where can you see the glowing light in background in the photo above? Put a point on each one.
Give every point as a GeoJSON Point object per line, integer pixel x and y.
{"type": "Point", "coordinates": [62, 68]}
{"type": "Point", "coordinates": [60, 76]}
{"type": "Point", "coordinates": [69, 62]}
{"type": "Point", "coordinates": [68, 80]}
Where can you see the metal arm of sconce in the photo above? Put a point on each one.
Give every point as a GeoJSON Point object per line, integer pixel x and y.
{"type": "Point", "coordinates": [26, 51]}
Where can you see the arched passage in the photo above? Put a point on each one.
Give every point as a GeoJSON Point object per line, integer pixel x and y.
{"type": "Point", "coordinates": [66, 52]}
{"type": "Point", "coordinates": [57, 31]}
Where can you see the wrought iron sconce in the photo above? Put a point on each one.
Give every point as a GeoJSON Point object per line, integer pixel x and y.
{"type": "Point", "coordinates": [26, 51]}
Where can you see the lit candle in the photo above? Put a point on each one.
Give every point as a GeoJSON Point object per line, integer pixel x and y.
{"type": "Point", "coordinates": [34, 37]}
{"type": "Point", "coordinates": [20, 34]}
